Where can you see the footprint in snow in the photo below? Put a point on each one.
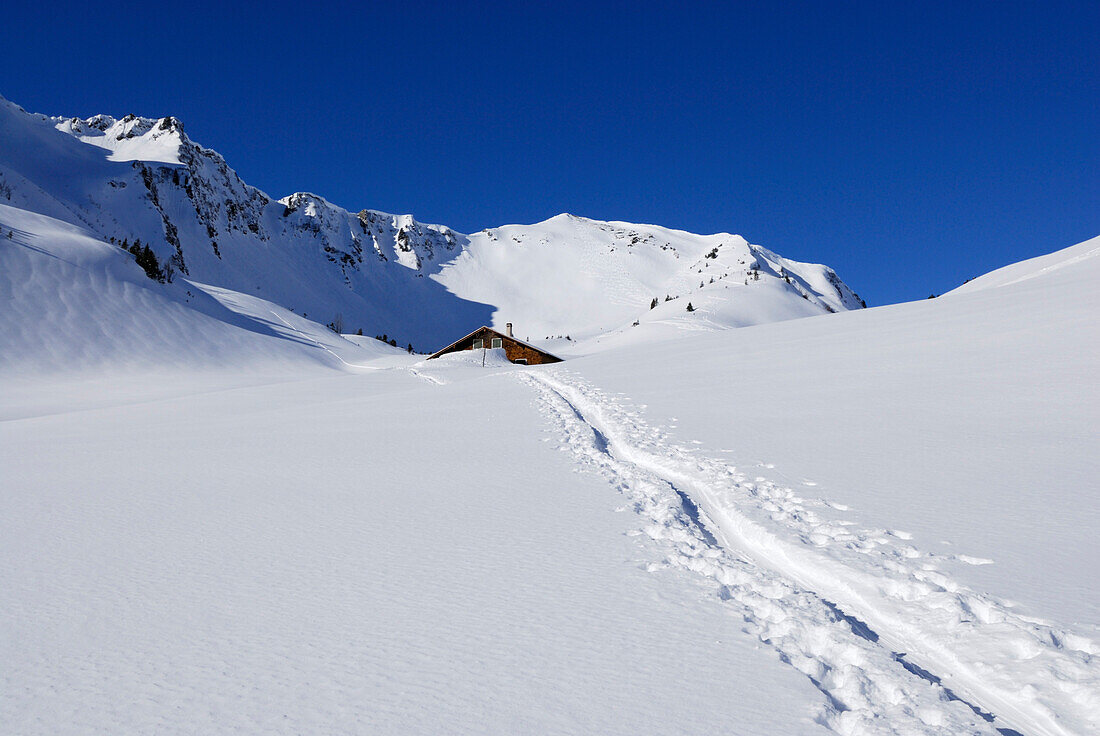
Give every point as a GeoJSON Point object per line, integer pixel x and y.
{"type": "Point", "coordinates": [972, 560]}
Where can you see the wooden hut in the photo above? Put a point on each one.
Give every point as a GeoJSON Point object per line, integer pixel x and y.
{"type": "Point", "coordinates": [517, 351]}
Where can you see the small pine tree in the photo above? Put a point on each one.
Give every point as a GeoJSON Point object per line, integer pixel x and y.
{"type": "Point", "coordinates": [359, 332]}
{"type": "Point", "coordinates": [653, 304]}
{"type": "Point", "coordinates": [144, 257]}
{"type": "Point", "coordinates": [690, 308]}
{"type": "Point", "coordinates": [410, 348]}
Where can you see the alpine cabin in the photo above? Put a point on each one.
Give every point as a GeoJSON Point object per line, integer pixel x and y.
{"type": "Point", "coordinates": [517, 351]}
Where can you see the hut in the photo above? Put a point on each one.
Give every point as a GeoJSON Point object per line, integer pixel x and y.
{"type": "Point", "coordinates": [517, 351]}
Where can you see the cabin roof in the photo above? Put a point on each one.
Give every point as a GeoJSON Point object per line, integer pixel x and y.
{"type": "Point", "coordinates": [441, 351]}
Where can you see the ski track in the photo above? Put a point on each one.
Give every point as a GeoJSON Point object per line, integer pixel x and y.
{"type": "Point", "coordinates": [894, 644]}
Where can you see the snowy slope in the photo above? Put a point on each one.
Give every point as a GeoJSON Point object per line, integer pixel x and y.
{"type": "Point", "coordinates": [144, 179]}
{"type": "Point", "coordinates": [586, 278]}
{"type": "Point", "coordinates": [1080, 260]}
{"type": "Point", "coordinates": [348, 554]}
{"type": "Point", "coordinates": [861, 524]}
{"type": "Point", "coordinates": [930, 468]}
{"type": "Point", "coordinates": [218, 515]}
{"type": "Point", "coordinates": [79, 307]}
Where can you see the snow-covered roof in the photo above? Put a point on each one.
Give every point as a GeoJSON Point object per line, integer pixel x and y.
{"type": "Point", "coordinates": [537, 349]}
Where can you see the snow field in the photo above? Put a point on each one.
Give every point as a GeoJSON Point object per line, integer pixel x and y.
{"type": "Point", "coordinates": [349, 553]}
{"type": "Point", "coordinates": [1020, 669]}
{"type": "Point", "coordinates": [220, 516]}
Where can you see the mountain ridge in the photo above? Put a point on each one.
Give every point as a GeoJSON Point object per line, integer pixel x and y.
{"type": "Point", "coordinates": [144, 179]}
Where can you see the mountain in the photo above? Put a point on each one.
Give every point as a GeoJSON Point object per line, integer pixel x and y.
{"type": "Point", "coordinates": [217, 514]}
{"type": "Point", "coordinates": [592, 280]}
{"type": "Point", "coordinates": [879, 522]}
{"type": "Point", "coordinates": [144, 180]}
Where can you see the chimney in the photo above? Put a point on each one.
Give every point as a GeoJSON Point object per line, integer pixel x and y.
{"type": "Point", "coordinates": [508, 329]}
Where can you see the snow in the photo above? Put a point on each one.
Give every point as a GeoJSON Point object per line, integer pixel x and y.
{"type": "Point", "coordinates": [129, 139]}
{"type": "Point", "coordinates": [928, 467]}
{"type": "Point", "coordinates": [347, 553]}
{"type": "Point", "coordinates": [144, 179]}
{"type": "Point", "coordinates": [393, 544]}
{"type": "Point", "coordinates": [592, 280]}
{"type": "Point", "coordinates": [219, 515]}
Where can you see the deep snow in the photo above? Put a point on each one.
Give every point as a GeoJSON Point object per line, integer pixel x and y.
{"type": "Point", "coordinates": [217, 515]}
{"type": "Point", "coordinates": [859, 523]}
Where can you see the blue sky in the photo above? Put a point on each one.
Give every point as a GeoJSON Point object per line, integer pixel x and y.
{"type": "Point", "coordinates": [908, 145]}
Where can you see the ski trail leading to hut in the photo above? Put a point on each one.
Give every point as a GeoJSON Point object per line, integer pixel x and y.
{"type": "Point", "coordinates": [892, 642]}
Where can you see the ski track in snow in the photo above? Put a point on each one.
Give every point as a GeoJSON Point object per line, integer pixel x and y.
{"type": "Point", "coordinates": [315, 342]}
{"type": "Point", "coordinates": [894, 644]}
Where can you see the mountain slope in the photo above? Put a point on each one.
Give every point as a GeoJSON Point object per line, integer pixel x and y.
{"type": "Point", "coordinates": [929, 468]}
{"type": "Point", "coordinates": [586, 278]}
{"type": "Point", "coordinates": [74, 304]}
{"type": "Point", "coordinates": [144, 179]}
{"type": "Point", "coordinates": [877, 523]}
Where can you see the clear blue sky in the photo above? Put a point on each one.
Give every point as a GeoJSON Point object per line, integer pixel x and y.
{"type": "Point", "coordinates": [909, 145]}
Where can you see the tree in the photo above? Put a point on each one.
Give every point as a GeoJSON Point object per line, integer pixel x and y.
{"type": "Point", "coordinates": [144, 257]}
{"type": "Point", "coordinates": [653, 304]}
{"type": "Point", "coordinates": [690, 308]}
{"type": "Point", "coordinates": [410, 348]}
{"type": "Point", "coordinates": [359, 332]}
{"type": "Point", "coordinates": [337, 324]}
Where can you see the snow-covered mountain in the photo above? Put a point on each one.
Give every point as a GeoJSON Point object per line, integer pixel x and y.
{"type": "Point", "coordinates": [141, 179]}
{"type": "Point", "coordinates": [218, 515]}
{"type": "Point", "coordinates": [881, 522]}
